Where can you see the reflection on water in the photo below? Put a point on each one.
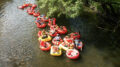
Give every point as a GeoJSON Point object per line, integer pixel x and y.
{"type": "Point", "coordinates": [19, 46]}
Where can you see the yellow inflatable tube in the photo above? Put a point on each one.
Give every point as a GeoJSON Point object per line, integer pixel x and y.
{"type": "Point", "coordinates": [45, 39]}
{"type": "Point", "coordinates": [53, 52]}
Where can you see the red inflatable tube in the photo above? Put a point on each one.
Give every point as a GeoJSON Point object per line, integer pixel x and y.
{"type": "Point", "coordinates": [38, 18]}
{"type": "Point", "coordinates": [53, 33]}
{"type": "Point", "coordinates": [45, 19]}
{"type": "Point", "coordinates": [21, 7]}
{"type": "Point", "coordinates": [36, 14]}
{"type": "Point", "coordinates": [39, 33]}
{"type": "Point", "coordinates": [75, 35]}
{"type": "Point", "coordinates": [30, 11]}
{"type": "Point", "coordinates": [62, 31]}
{"type": "Point", "coordinates": [25, 5]}
{"type": "Point", "coordinates": [72, 53]}
{"type": "Point", "coordinates": [55, 42]}
{"type": "Point", "coordinates": [32, 8]}
{"type": "Point", "coordinates": [69, 42]}
{"type": "Point", "coordinates": [45, 46]}
{"type": "Point", "coordinates": [54, 27]}
{"type": "Point", "coordinates": [67, 39]}
{"type": "Point", "coordinates": [51, 21]}
{"type": "Point", "coordinates": [50, 24]}
{"type": "Point", "coordinates": [41, 25]}
{"type": "Point", "coordinates": [34, 5]}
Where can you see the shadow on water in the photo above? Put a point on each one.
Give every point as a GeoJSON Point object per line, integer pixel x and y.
{"type": "Point", "coordinates": [105, 41]}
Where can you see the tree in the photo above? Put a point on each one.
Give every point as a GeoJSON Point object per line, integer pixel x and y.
{"type": "Point", "coordinates": [108, 9]}
{"type": "Point", "coordinates": [70, 8]}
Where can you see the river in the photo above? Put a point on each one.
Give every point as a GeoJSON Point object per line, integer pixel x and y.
{"type": "Point", "coordinates": [19, 46]}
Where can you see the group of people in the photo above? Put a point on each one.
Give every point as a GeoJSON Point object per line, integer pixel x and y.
{"type": "Point", "coordinates": [72, 42]}
{"type": "Point", "coordinates": [53, 27]}
{"type": "Point", "coordinates": [41, 19]}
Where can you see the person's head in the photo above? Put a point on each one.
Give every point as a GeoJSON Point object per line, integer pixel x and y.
{"type": "Point", "coordinates": [45, 34]}
{"type": "Point", "coordinates": [66, 36]}
{"type": "Point", "coordinates": [57, 34]}
{"type": "Point", "coordinates": [43, 30]}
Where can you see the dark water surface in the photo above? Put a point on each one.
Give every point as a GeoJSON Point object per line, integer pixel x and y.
{"type": "Point", "coordinates": [19, 46]}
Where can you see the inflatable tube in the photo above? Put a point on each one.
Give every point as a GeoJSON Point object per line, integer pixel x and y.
{"type": "Point", "coordinates": [48, 38]}
{"type": "Point", "coordinates": [45, 19]}
{"type": "Point", "coordinates": [54, 27]}
{"type": "Point", "coordinates": [64, 46]}
{"type": "Point", "coordinates": [38, 18]}
{"type": "Point", "coordinates": [41, 24]}
{"type": "Point", "coordinates": [21, 7]}
{"type": "Point", "coordinates": [39, 33]}
{"type": "Point", "coordinates": [45, 46]}
{"type": "Point", "coordinates": [25, 5]}
{"type": "Point", "coordinates": [75, 35]}
{"type": "Point", "coordinates": [42, 18]}
{"type": "Point", "coordinates": [34, 5]}
{"type": "Point", "coordinates": [36, 14]}
{"type": "Point", "coordinates": [51, 21]}
{"type": "Point", "coordinates": [62, 31]}
{"type": "Point", "coordinates": [32, 8]}
{"type": "Point", "coordinates": [55, 51]}
{"type": "Point", "coordinates": [57, 42]}
{"type": "Point", "coordinates": [72, 53]}
{"type": "Point", "coordinates": [53, 33]}
{"type": "Point", "coordinates": [68, 39]}
{"type": "Point", "coordinates": [30, 11]}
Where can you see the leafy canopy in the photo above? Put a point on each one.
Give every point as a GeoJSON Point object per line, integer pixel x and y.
{"type": "Point", "coordinates": [70, 8]}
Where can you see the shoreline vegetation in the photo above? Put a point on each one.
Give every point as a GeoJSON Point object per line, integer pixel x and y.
{"type": "Point", "coordinates": [105, 12]}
